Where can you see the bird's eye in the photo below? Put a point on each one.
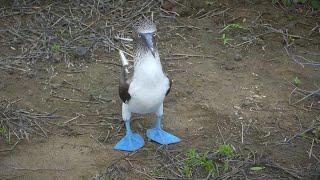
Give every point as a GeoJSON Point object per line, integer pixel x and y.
{"type": "Point", "coordinates": [139, 35]}
{"type": "Point", "coordinates": [154, 34]}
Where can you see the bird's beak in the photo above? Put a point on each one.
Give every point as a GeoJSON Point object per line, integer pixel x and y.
{"type": "Point", "coordinates": [148, 37]}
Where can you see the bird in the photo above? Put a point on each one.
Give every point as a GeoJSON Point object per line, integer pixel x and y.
{"type": "Point", "coordinates": [143, 88]}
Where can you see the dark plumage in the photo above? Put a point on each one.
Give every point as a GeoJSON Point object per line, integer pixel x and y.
{"type": "Point", "coordinates": [124, 84]}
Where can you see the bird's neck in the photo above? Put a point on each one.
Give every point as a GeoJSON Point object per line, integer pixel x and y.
{"type": "Point", "coordinates": [147, 67]}
{"type": "Point", "coordinates": [143, 55]}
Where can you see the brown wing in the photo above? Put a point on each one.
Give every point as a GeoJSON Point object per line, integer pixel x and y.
{"type": "Point", "coordinates": [170, 83]}
{"type": "Point", "coordinates": [124, 85]}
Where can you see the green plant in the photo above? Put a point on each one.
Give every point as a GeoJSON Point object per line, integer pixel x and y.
{"type": "Point", "coordinates": [61, 33]}
{"type": "Point", "coordinates": [225, 150]}
{"type": "Point", "coordinates": [186, 171]}
{"type": "Point", "coordinates": [315, 4]}
{"type": "Point", "coordinates": [3, 131]}
{"type": "Point", "coordinates": [316, 132]}
{"type": "Point", "coordinates": [226, 166]}
{"type": "Point", "coordinates": [296, 81]}
{"type": "Point", "coordinates": [195, 160]}
{"type": "Point", "coordinates": [291, 18]}
{"type": "Point", "coordinates": [156, 172]}
{"type": "Point", "coordinates": [257, 168]}
{"type": "Point", "coordinates": [209, 2]}
{"type": "Point", "coordinates": [303, 136]}
{"type": "Point", "coordinates": [225, 39]}
{"type": "Point", "coordinates": [233, 26]}
{"type": "Point", "coordinates": [55, 47]}
{"type": "Point", "coordinates": [4, 134]}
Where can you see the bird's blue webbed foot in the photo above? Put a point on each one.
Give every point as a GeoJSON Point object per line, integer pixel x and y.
{"type": "Point", "coordinates": [131, 141]}
{"type": "Point", "coordinates": [161, 136]}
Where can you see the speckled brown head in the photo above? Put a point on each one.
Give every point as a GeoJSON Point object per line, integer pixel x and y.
{"type": "Point", "coordinates": [144, 32]}
{"type": "Point", "coordinates": [144, 25]}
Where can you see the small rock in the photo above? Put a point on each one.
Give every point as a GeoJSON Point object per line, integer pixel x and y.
{"type": "Point", "coordinates": [247, 103]}
{"type": "Point", "coordinates": [236, 107]}
{"type": "Point", "coordinates": [55, 86]}
{"type": "Point", "coordinates": [189, 92]}
{"type": "Point", "coordinates": [237, 57]}
{"type": "Point", "coordinates": [227, 67]}
{"type": "Point", "coordinates": [81, 51]}
{"type": "Point", "coordinates": [31, 74]}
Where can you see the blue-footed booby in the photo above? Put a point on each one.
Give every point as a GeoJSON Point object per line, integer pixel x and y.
{"type": "Point", "coordinates": [143, 90]}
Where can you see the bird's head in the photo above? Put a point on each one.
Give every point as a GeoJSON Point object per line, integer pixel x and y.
{"type": "Point", "coordinates": [145, 30]}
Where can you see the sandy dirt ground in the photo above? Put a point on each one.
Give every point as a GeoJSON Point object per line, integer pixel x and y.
{"type": "Point", "coordinates": [238, 93]}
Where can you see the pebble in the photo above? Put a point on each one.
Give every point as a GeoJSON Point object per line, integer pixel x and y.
{"type": "Point", "coordinates": [237, 57]}
{"type": "Point", "coordinates": [81, 51]}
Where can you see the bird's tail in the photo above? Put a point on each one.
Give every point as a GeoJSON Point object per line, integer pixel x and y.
{"type": "Point", "coordinates": [123, 58]}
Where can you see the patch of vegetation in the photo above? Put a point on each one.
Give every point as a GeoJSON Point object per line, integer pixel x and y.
{"type": "Point", "coordinates": [234, 26]}
{"type": "Point", "coordinates": [156, 172]}
{"type": "Point", "coordinates": [296, 81]}
{"type": "Point", "coordinates": [316, 132]}
{"type": "Point", "coordinates": [55, 47]}
{"type": "Point", "coordinates": [226, 150]}
{"type": "Point", "coordinates": [3, 131]}
{"type": "Point", "coordinates": [61, 33]}
{"type": "Point", "coordinates": [4, 134]}
{"type": "Point", "coordinates": [257, 168]}
{"type": "Point", "coordinates": [288, 3]}
{"type": "Point", "coordinates": [196, 162]}
{"type": "Point", "coordinates": [303, 136]}
{"type": "Point", "coordinates": [210, 2]}
{"type": "Point", "coordinates": [225, 39]}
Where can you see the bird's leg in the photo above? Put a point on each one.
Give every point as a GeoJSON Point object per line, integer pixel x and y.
{"type": "Point", "coordinates": [158, 122]}
{"type": "Point", "coordinates": [159, 135]}
{"type": "Point", "coordinates": [131, 141]}
{"type": "Point", "coordinates": [128, 127]}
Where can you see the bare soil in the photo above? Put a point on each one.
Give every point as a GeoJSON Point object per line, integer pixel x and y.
{"type": "Point", "coordinates": [232, 93]}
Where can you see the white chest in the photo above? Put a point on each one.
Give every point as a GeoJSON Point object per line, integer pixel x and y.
{"type": "Point", "coordinates": [148, 87]}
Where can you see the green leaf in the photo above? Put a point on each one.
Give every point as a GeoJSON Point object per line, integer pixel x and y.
{"type": "Point", "coordinates": [275, 2]}
{"type": "Point", "coordinates": [316, 132]}
{"type": "Point", "coordinates": [3, 131]}
{"type": "Point", "coordinates": [315, 4]}
{"type": "Point", "coordinates": [226, 167]}
{"type": "Point", "coordinates": [296, 81]}
{"type": "Point", "coordinates": [257, 168]}
{"type": "Point", "coordinates": [303, 136]}
{"type": "Point", "coordinates": [191, 153]}
{"type": "Point", "coordinates": [291, 17]}
{"type": "Point", "coordinates": [186, 171]}
{"type": "Point", "coordinates": [55, 47]}
{"type": "Point", "coordinates": [234, 26]}
{"type": "Point", "coordinates": [208, 165]}
{"type": "Point", "coordinates": [209, 2]}
{"type": "Point", "coordinates": [287, 3]}
{"type": "Point", "coordinates": [225, 150]}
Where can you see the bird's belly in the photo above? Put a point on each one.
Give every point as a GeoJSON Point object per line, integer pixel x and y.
{"type": "Point", "coordinates": [146, 101]}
